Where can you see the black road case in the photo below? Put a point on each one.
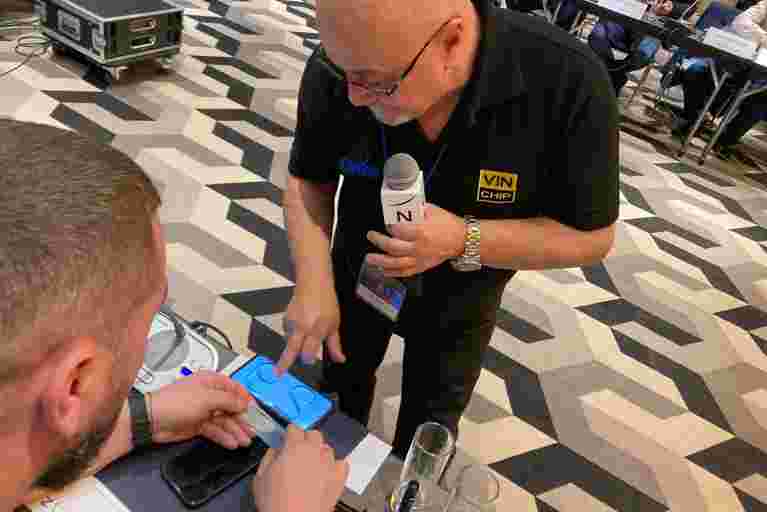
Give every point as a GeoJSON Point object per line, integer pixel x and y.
{"type": "Point", "coordinates": [113, 32]}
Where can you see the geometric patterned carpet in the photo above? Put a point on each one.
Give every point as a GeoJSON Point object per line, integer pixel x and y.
{"type": "Point", "coordinates": [639, 384]}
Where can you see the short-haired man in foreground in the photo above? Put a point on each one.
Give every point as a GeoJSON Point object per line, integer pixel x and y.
{"type": "Point", "coordinates": [82, 274]}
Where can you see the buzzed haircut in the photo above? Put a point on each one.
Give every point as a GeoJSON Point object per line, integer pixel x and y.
{"type": "Point", "coordinates": [77, 250]}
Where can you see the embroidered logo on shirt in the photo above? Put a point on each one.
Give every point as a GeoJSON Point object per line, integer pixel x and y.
{"type": "Point", "coordinates": [497, 187]}
{"type": "Point", "coordinates": [351, 167]}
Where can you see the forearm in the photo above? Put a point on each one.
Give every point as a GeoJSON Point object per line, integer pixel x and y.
{"type": "Point", "coordinates": [308, 209]}
{"type": "Point", "coordinates": [541, 243]}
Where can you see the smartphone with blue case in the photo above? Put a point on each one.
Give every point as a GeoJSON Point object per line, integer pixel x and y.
{"type": "Point", "coordinates": [288, 398]}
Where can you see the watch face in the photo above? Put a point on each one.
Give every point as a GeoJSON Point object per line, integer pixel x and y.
{"type": "Point", "coordinates": [465, 266]}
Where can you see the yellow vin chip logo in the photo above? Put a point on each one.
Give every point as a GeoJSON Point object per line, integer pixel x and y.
{"type": "Point", "coordinates": [497, 187]}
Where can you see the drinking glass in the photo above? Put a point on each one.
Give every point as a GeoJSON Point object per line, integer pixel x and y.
{"type": "Point", "coordinates": [476, 490]}
{"type": "Point", "coordinates": [429, 453]}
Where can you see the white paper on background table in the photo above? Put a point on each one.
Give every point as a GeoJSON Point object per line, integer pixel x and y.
{"type": "Point", "coordinates": [729, 42]}
{"type": "Point", "coordinates": [631, 8]}
{"type": "Point", "coordinates": [87, 495]}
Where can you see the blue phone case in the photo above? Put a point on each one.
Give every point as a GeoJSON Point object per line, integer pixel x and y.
{"type": "Point", "coordinates": [289, 398]}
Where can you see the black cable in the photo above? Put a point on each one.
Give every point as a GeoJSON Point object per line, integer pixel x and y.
{"type": "Point", "coordinates": [180, 334]}
{"type": "Point", "coordinates": [38, 45]}
{"type": "Point", "coordinates": [202, 328]}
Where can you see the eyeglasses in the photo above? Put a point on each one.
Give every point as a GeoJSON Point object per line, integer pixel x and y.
{"type": "Point", "coordinates": [376, 90]}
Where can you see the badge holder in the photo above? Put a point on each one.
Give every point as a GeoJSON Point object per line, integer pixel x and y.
{"type": "Point", "coordinates": [385, 294]}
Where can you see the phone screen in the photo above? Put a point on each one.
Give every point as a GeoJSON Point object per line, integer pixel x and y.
{"type": "Point", "coordinates": [291, 399]}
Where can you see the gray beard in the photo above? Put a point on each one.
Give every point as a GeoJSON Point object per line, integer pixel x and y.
{"type": "Point", "coordinates": [397, 121]}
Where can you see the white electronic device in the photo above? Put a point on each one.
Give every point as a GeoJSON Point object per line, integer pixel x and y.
{"type": "Point", "coordinates": [174, 350]}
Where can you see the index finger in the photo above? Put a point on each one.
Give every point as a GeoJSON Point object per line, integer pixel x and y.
{"type": "Point", "coordinates": [390, 263]}
{"type": "Point", "coordinates": [393, 246]}
{"type": "Point", "coordinates": [224, 383]}
{"type": "Point", "coordinates": [290, 353]}
{"type": "Point", "coordinates": [407, 231]}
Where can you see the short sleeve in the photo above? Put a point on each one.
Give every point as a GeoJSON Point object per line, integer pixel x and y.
{"type": "Point", "coordinates": [315, 150]}
{"type": "Point", "coordinates": [584, 175]}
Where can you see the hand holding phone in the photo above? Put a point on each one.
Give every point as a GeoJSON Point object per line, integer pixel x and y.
{"type": "Point", "coordinates": [207, 469]}
{"type": "Point", "coordinates": [206, 402]}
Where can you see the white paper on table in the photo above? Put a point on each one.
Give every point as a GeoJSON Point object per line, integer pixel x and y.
{"type": "Point", "coordinates": [365, 461]}
{"type": "Point", "coordinates": [87, 495]}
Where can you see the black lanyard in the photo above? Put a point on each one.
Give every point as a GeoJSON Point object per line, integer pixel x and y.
{"type": "Point", "coordinates": [427, 176]}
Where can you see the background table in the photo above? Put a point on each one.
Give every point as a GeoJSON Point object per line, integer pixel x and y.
{"type": "Point", "coordinates": [728, 63]}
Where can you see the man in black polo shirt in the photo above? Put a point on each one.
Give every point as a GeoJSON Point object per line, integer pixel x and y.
{"type": "Point", "coordinates": [514, 125]}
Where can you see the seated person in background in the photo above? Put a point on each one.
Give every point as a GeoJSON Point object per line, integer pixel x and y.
{"type": "Point", "coordinates": [82, 274]}
{"type": "Point", "coordinates": [608, 36]}
{"type": "Point", "coordinates": [698, 85]}
{"type": "Point", "coordinates": [568, 10]}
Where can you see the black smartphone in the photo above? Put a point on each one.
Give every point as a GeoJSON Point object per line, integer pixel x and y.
{"type": "Point", "coordinates": [207, 469]}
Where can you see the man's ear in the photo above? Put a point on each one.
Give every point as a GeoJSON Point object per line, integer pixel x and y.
{"type": "Point", "coordinates": [454, 34]}
{"type": "Point", "coordinates": [79, 375]}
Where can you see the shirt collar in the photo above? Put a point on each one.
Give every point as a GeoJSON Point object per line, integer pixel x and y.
{"type": "Point", "coordinates": [497, 75]}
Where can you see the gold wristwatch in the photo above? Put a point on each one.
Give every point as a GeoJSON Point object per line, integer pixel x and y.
{"type": "Point", "coordinates": [470, 259]}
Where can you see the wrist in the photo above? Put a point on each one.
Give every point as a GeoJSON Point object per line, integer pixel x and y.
{"type": "Point", "coordinates": [314, 275]}
{"type": "Point", "coordinates": [139, 410]}
{"type": "Point", "coordinates": [314, 284]}
{"type": "Point", "coordinates": [470, 257]}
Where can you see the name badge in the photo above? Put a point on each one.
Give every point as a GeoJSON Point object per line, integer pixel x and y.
{"type": "Point", "coordinates": [385, 294]}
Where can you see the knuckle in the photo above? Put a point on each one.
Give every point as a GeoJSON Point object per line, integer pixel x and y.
{"type": "Point", "coordinates": [294, 342]}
